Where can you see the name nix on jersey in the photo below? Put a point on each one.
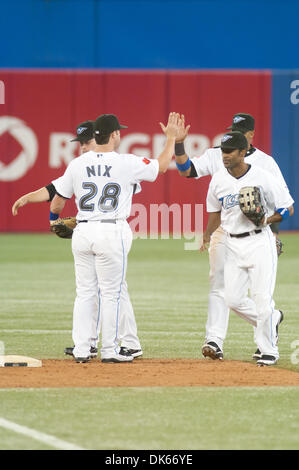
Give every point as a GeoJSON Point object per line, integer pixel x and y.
{"type": "Point", "coordinates": [98, 170]}
{"type": "Point", "coordinates": [104, 170]}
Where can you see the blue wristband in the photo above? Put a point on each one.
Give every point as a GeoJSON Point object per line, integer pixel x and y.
{"type": "Point", "coordinates": [53, 216]}
{"type": "Point", "coordinates": [185, 166]}
{"type": "Point", "coordinates": [284, 212]}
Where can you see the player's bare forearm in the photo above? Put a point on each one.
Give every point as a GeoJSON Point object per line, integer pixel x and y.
{"type": "Point", "coordinates": [57, 204]}
{"type": "Point", "coordinates": [276, 217]}
{"type": "Point", "coordinates": [166, 156]}
{"type": "Point", "coordinates": [213, 223]}
{"type": "Point", "coordinates": [40, 195]}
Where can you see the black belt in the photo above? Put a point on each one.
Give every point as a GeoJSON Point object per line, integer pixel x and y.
{"type": "Point", "coordinates": [104, 221]}
{"type": "Point", "coordinates": [244, 234]}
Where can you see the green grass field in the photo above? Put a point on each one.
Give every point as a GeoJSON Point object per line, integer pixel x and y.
{"type": "Point", "coordinates": [169, 292]}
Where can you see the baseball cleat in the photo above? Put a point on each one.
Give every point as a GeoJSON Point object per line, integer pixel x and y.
{"type": "Point", "coordinates": [93, 351]}
{"type": "Point", "coordinates": [212, 350]}
{"type": "Point", "coordinates": [257, 355]}
{"type": "Point", "coordinates": [69, 351]}
{"type": "Point", "coordinates": [82, 359]}
{"type": "Point", "coordinates": [266, 360]}
{"type": "Point", "coordinates": [118, 358]}
{"type": "Point", "coordinates": [132, 352]}
{"type": "Point", "coordinates": [122, 356]}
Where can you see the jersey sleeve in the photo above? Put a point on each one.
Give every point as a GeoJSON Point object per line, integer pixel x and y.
{"type": "Point", "coordinates": [202, 165]}
{"type": "Point", "coordinates": [64, 184]}
{"type": "Point", "coordinates": [143, 169]}
{"type": "Point", "coordinates": [213, 203]}
{"type": "Point", "coordinates": [283, 198]}
{"type": "Point", "coordinates": [277, 194]}
{"type": "Point", "coordinates": [275, 170]}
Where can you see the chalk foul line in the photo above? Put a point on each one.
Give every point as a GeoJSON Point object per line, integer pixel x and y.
{"type": "Point", "coordinates": [51, 441]}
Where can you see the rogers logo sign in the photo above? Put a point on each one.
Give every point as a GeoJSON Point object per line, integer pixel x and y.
{"type": "Point", "coordinates": [27, 157]}
{"type": "Point", "coordinates": [62, 151]}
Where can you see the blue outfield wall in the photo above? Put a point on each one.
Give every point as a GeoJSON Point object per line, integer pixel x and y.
{"type": "Point", "coordinates": [168, 34]}
{"type": "Point", "coordinates": [285, 134]}
{"type": "Point", "coordinates": [251, 34]}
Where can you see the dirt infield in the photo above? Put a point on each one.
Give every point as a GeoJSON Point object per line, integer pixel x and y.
{"type": "Point", "coordinates": [146, 373]}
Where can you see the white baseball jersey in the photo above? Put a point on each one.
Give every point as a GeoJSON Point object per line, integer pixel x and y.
{"type": "Point", "coordinates": [211, 162]}
{"type": "Point", "coordinates": [103, 183]}
{"type": "Point", "coordinates": [218, 313]}
{"type": "Point", "coordinates": [223, 195]}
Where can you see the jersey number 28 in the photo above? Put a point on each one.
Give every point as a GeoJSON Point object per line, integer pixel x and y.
{"type": "Point", "coordinates": [108, 200]}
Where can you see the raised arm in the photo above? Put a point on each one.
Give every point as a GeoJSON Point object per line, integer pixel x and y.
{"type": "Point", "coordinates": [181, 158]}
{"type": "Point", "coordinates": [171, 132]}
{"type": "Point", "coordinates": [180, 155]}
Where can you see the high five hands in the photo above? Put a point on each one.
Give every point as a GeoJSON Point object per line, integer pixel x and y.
{"type": "Point", "coordinates": [182, 128]}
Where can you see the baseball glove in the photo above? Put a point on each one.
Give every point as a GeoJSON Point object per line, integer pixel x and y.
{"type": "Point", "coordinates": [63, 227]}
{"type": "Point", "coordinates": [250, 201]}
{"type": "Point", "coordinates": [279, 246]}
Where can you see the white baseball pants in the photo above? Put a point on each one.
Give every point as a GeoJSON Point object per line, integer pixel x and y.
{"type": "Point", "coordinates": [218, 311]}
{"type": "Point", "coordinates": [127, 324]}
{"type": "Point", "coordinates": [252, 262]}
{"type": "Point", "coordinates": [100, 253]}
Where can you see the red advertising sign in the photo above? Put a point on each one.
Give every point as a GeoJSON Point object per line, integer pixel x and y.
{"type": "Point", "coordinates": [42, 109]}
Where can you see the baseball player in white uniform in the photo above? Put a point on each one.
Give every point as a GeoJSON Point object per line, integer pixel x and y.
{"type": "Point", "coordinates": [208, 164]}
{"type": "Point", "coordinates": [103, 183]}
{"type": "Point", "coordinates": [127, 327]}
{"type": "Point", "coordinates": [250, 251]}
{"type": "Point", "coordinates": [86, 140]}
